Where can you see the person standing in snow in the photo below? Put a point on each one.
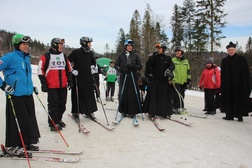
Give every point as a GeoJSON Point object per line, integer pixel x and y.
{"type": "Point", "coordinates": [111, 78]}
{"type": "Point", "coordinates": [210, 81]}
{"type": "Point", "coordinates": [128, 63]}
{"type": "Point", "coordinates": [159, 67]}
{"type": "Point", "coordinates": [54, 71]}
{"type": "Point", "coordinates": [18, 87]}
{"type": "Point", "coordinates": [182, 78]}
{"type": "Point", "coordinates": [235, 85]}
{"type": "Point", "coordinates": [83, 64]}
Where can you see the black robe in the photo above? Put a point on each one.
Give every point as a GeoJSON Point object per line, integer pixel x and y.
{"type": "Point", "coordinates": [26, 117]}
{"type": "Point", "coordinates": [235, 86]}
{"type": "Point", "coordinates": [158, 100]}
{"type": "Point", "coordinates": [82, 61]}
{"type": "Point", "coordinates": [129, 102]}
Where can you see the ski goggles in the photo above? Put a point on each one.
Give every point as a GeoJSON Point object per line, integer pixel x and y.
{"type": "Point", "coordinates": [59, 40]}
{"type": "Point", "coordinates": [26, 39]}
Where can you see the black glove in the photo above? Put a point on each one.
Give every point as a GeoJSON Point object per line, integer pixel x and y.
{"type": "Point", "coordinates": [70, 85]}
{"type": "Point", "coordinates": [134, 67]}
{"type": "Point", "coordinates": [129, 66]}
{"type": "Point", "coordinates": [126, 70]}
{"type": "Point", "coordinates": [7, 88]}
{"type": "Point", "coordinates": [70, 79]}
{"type": "Point", "coordinates": [35, 90]}
{"type": "Point", "coordinates": [168, 73]}
{"type": "Point", "coordinates": [44, 88]}
{"type": "Point", "coordinates": [188, 82]}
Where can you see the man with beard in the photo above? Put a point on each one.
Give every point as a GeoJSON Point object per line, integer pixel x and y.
{"type": "Point", "coordinates": [83, 82]}
{"type": "Point", "coordinates": [128, 63]}
{"type": "Point", "coordinates": [158, 70]}
{"type": "Point", "coordinates": [235, 85]}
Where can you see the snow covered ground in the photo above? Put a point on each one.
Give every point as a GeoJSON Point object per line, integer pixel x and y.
{"type": "Point", "coordinates": [208, 143]}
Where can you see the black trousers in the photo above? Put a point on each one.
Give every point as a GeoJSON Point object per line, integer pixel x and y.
{"type": "Point", "coordinates": [97, 88]}
{"type": "Point", "coordinates": [25, 112]}
{"type": "Point", "coordinates": [110, 87]}
{"type": "Point", "coordinates": [56, 104]}
{"type": "Point", "coordinates": [210, 102]}
{"type": "Point", "coordinates": [177, 100]}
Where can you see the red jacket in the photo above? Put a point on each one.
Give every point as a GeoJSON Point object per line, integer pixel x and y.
{"type": "Point", "coordinates": [210, 78]}
{"type": "Point", "coordinates": [55, 68]}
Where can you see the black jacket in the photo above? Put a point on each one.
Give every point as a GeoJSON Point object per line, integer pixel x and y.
{"type": "Point", "coordinates": [122, 61]}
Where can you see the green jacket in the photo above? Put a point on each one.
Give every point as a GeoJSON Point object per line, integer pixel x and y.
{"type": "Point", "coordinates": [182, 70]}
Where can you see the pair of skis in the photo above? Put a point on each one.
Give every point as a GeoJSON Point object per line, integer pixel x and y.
{"type": "Point", "coordinates": [3, 155]}
{"type": "Point", "coordinates": [82, 128]}
{"type": "Point", "coordinates": [85, 130]}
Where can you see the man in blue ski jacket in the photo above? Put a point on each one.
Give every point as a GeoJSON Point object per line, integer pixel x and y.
{"type": "Point", "coordinates": [18, 87]}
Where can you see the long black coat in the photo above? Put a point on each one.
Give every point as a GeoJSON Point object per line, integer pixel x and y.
{"type": "Point", "coordinates": [129, 102]}
{"type": "Point", "coordinates": [82, 61]}
{"type": "Point", "coordinates": [158, 99]}
{"type": "Point", "coordinates": [235, 86]}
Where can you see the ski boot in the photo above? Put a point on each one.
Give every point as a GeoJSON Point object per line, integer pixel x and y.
{"type": "Point", "coordinates": [112, 99]}
{"type": "Point", "coordinates": [15, 152]}
{"type": "Point", "coordinates": [5, 153]}
{"type": "Point", "coordinates": [91, 116]}
{"type": "Point", "coordinates": [52, 128]}
{"type": "Point", "coordinates": [76, 118]}
{"type": "Point", "coordinates": [62, 124]}
{"type": "Point", "coordinates": [31, 147]}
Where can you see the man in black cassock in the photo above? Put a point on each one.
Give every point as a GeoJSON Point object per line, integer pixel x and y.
{"type": "Point", "coordinates": [235, 85]}
{"type": "Point", "coordinates": [158, 70]}
{"type": "Point", "coordinates": [84, 63]}
{"type": "Point", "coordinates": [128, 63]}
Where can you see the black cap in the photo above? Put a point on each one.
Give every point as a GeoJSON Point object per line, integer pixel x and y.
{"type": "Point", "coordinates": [231, 44]}
{"type": "Point", "coordinates": [209, 61]}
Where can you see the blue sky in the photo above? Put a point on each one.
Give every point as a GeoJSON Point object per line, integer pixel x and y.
{"type": "Point", "coordinates": [102, 20]}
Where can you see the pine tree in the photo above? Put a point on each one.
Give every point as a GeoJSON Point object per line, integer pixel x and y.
{"type": "Point", "coordinates": [120, 42]}
{"type": "Point", "coordinates": [249, 45]}
{"type": "Point", "coordinates": [135, 32]}
{"type": "Point", "coordinates": [177, 26]}
{"type": "Point", "coordinates": [212, 14]}
{"type": "Point", "coordinates": [188, 13]}
{"type": "Point", "coordinates": [199, 36]}
{"type": "Point", "coordinates": [147, 35]}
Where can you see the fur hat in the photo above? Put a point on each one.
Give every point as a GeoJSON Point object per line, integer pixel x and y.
{"type": "Point", "coordinates": [231, 44]}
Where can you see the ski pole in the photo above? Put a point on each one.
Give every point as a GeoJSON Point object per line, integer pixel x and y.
{"type": "Point", "coordinates": [181, 100]}
{"type": "Point", "coordinates": [120, 98]}
{"type": "Point", "coordinates": [78, 102]}
{"type": "Point", "coordinates": [19, 130]}
{"type": "Point", "coordinates": [100, 99]}
{"type": "Point", "coordinates": [36, 93]}
{"type": "Point", "coordinates": [138, 99]}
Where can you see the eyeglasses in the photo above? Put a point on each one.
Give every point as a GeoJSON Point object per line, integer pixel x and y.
{"type": "Point", "coordinates": [26, 39]}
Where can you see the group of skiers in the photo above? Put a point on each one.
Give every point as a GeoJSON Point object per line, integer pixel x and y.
{"type": "Point", "coordinates": [163, 84]}
{"type": "Point", "coordinates": [167, 79]}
